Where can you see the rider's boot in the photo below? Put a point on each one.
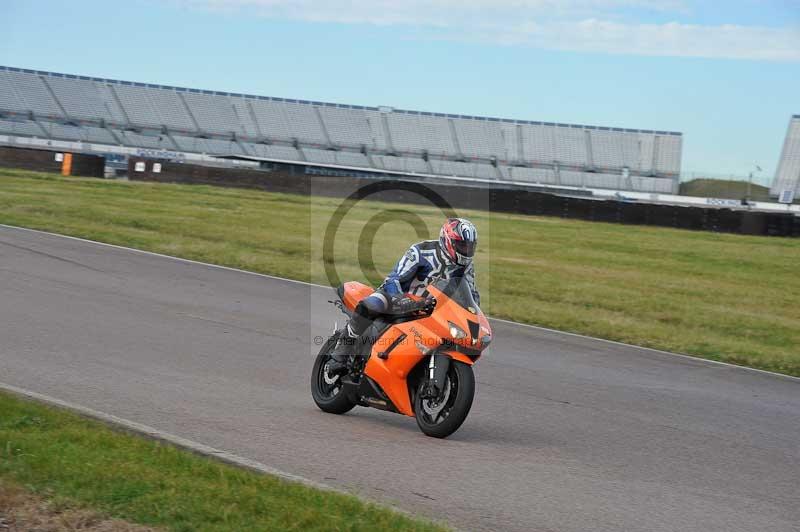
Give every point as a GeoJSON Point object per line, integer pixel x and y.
{"type": "Point", "coordinates": [341, 353]}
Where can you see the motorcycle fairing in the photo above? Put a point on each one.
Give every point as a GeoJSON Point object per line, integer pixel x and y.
{"type": "Point", "coordinates": [352, 292]}
{"type": "Point", "coordinates": [390, 373]}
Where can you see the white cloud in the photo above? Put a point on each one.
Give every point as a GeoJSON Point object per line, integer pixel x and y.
{"type": "Point", "coordinates": [670, 39]}
{"type": "Point", "coordinates": [604, 26]}
{"type": "Point", "coordinates": [433, 12]}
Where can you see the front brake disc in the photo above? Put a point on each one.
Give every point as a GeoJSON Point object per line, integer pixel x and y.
{"type": "Point", "coordinates": [433, 411]}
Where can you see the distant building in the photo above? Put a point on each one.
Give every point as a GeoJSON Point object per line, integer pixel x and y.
{"type": "Point", "coordinates": [787, 176]}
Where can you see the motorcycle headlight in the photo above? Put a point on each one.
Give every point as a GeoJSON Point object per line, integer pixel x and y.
{"type": "Point", "coordinates": [486, 340]}
{"type": "Point", "coordinates": [456, 331]}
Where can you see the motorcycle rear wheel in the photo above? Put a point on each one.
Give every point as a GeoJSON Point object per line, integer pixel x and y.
{"type": "Point", "coordinates": [459, 393]}
{"type": "Point", "coordinates": [328, 396]}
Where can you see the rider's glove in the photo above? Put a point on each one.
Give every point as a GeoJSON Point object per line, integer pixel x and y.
{"type": "Point", "coordinates": [406, 305]}
{"type": "Point", "coordinates": [429, 304]}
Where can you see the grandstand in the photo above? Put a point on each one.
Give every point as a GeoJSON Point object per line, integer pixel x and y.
{"type": "Point", "coordinates": [105, 113]}
{"type": "Point", "coordinates": [787, 176]}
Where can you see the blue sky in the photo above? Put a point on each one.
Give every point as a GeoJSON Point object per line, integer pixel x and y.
{"type": "Point", "coordinates": [729, 79]}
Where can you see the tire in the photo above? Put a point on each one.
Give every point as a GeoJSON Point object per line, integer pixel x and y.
{"type": "Point", "coordinates": [458, 404]}
{"type": "Point", "coordinates": [328, 400]}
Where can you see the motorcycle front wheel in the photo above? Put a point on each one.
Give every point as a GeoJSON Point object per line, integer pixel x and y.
{"type": "Point", "coordinates": [441, 417]}
{"type": "Point", "coordinates": [326, 389]}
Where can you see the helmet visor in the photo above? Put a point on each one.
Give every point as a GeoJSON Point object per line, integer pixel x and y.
{"type": "Point", "coordinates": [464, 247]}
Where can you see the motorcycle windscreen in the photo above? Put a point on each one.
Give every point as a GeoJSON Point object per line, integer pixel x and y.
{"type": "Point", "coordinates": [458, 289]}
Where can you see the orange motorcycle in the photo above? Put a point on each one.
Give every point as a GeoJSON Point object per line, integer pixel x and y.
{"type": "Point", "coordinates": [398, 358]}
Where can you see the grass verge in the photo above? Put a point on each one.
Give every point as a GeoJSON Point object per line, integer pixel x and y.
{"type": "Point", "coordinates": [76, 462]}
{"type": "Point", "coordinates": [21, 510]}
{"type": "Point", "coordinates": [724, 297]}
{"type": "Point", "coordinates": [723, 188]}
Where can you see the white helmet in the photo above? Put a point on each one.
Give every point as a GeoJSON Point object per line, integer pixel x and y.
{"type": "Point", "coordinates": [457, 240]}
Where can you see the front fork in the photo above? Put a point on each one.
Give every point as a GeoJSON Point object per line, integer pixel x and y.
{"type": "Point", "coordinates": [438, 366]}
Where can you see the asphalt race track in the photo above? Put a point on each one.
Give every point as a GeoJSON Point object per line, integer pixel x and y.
{"type": "Point", "coordinates": [566, 434]}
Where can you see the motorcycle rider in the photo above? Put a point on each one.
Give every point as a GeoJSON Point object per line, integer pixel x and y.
{"type": "Point", "coordinates": [450, 256]}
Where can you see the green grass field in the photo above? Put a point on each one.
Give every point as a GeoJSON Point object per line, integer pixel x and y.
{"type": "Point", "coordinates": [722, 188]}
{"type": "Point", "coordinates": [74, 461]}
{"type": "Point", "coordinates": [718, 296]}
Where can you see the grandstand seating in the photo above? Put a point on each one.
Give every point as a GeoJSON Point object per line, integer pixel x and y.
{"type": "Point", "coordinates": [25, 128]}
{"type": "Point", "coordinates": [530, 175]}
{"type": "Point", "coordinates": [67, 107]}
{"type": "Point", "coordinates": [84, 101]}
{"type": "Point", "coordinates": [131, 138]}
{"type": "Point", "coordinates": [32, 94]}
{"type": "Point", "coordinates": [341, 158]}
{"type": "Point", "coordinates": [283, 153]}
{"type": "Point", "coordinates": [401, 164]}
{"type": "Point", "coordinates": [419, 133]}
{"type": "Point", "coordinates": [349, 127]}
{"type": "Point", "coordinates": [245, 118]}
{"type": "Point", "coordinates": [787, 176]}
{"type": "Point", "coordinates": [481, 138]}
